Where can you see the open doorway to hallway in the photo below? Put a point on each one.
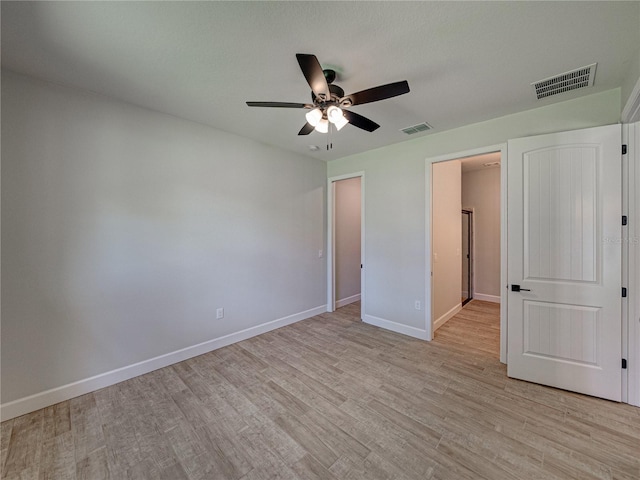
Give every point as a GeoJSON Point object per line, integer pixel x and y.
{"type": "Point", "coordinates": [465, 256]}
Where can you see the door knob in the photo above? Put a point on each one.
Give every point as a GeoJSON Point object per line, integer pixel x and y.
{"type": "Point", "coordinates": [516, 288]}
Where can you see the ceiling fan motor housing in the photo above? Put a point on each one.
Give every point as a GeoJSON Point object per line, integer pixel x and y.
{"type": "Point", "coordinates": [329, 75]}
{"type": "Point", "coordinates": [336, 94]}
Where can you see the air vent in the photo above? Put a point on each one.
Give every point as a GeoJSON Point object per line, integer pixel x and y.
{"type": "Point", "coordinates": [579, 78]}
{"type": "Point", "coordinates": [421, 127]}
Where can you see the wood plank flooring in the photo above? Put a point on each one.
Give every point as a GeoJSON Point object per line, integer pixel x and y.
{"type": "Point", "coordinates": [476, 328]}
{"type": "Point", "coordinates": [331, 398]}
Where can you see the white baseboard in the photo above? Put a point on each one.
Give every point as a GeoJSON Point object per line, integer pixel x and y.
{"type": "Point", "coordinates": [348, 300]}
{"type": "Point", "coordinates": [486, 298]}
{"type": "Point", "coordinates": [395, 327]}
{"type": "Point", "coordinates": [50, 397]}
{"type": "Point", "coordinates": [445, 318]}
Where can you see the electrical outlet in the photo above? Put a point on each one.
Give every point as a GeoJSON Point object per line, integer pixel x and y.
{"type": "Point", "coordinates": [418, 305]}
{"type": "Point", "coordinates": [320, 253]}
{"type": "Point", "coordinates": [219, 313]}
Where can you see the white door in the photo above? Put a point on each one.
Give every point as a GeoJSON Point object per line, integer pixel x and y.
{"type": "Point", "coordinates": [564, 251]}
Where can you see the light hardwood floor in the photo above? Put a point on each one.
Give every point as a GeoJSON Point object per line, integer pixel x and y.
{"type": "Point", "coordinates": [332, 398]}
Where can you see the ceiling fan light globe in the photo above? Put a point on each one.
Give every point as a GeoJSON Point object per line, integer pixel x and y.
{"type": "Point", "coordinates": [322, 126]}
{"type": "Point", "coordinates": [334, 114]}
{"type": "Point", "coordinates": [314, 116]}
{"type": "Point", "coordinates": [340, 122]}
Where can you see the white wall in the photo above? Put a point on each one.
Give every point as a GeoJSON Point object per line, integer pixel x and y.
{"type": "Point", "coordinates": [347, 240]}
{"type": "Point", "coordinates": [481, 192]}
{"type": "Point", "coordinates": [396, 200]}
{"type": "Point", "coordinates": [124, 229]}
{"type": "Point", "coordinates": [447, 239]}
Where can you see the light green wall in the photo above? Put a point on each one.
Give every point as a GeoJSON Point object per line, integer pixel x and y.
{"type": "Point", "coordinates": [630, 79]}
{"type": "Point", "coordinates": [632, 76]}
{"type": "Point", "coordinates": [395, 197]}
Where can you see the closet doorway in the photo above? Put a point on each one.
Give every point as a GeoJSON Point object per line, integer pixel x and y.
{"type": "Point", "coordinates": [345, 245]}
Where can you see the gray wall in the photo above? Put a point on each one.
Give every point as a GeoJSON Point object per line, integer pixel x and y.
{"type": "Point", "coordinates": [447, 238]}
{"type": "Point", "coordinates": [481, 192]}
{"type": "Point", "coordinates": [124, 229]}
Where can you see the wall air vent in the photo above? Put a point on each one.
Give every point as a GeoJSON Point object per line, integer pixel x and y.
{"type": "Point", "coordinates": [578, 78]}
{"type": "Point", "coordinates": [421, 127]}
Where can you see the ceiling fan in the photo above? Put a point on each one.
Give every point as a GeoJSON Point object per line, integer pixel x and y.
{"type": "Point", "coordinates": [330, 104]}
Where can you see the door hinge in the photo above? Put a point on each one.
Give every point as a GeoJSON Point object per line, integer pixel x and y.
{"type": "Point", "coordinates": [624, 220]}
{"type": "Point", "coordinates": [624, 292]}
{"type": "Point", "coordinates": [360, 265]}
{"type": "Point", "coordinates": [624, 363]}
{"type": "Point", "coordinates": [624, 149]}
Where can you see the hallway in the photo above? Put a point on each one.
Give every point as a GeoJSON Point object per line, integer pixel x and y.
{"type": "Point", "coordinates": [476, 328]}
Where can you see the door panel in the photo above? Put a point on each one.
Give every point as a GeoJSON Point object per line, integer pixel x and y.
{"type": "Point", "coordinates": [564, 211]}
{"type": "Point", "coordinates": [561, 332]}
{"type": "Point", "coordinates": [561, 214]}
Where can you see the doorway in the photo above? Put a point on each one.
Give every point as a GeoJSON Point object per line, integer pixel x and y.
{"type": "Point", "coordinates": [477, 282]}
{"type": "Point", "coordinates": [345, 249]}
{"type": "Point", "coordinates": [467, 260]}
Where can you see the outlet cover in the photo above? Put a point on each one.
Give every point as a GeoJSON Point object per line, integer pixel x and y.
{"type": "Point", "coordinates": [219, 313]}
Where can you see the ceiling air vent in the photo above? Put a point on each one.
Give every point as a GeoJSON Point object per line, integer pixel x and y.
{"type": "Point", "coordinates": [579, 78]}
{"type": "Point", "coordinates": [421, 127]}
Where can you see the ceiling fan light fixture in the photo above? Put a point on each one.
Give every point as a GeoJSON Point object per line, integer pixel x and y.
{"type": "Point", "coordinates": [314, 116]}
{"type": "Point", "coordinates": [340, 122]}
{"type": "Point", "coordinates": [334, 114]}
{"type": "Point", "coordinates": [322, 126]}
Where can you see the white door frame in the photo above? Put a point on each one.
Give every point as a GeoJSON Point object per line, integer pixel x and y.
{"type": "Point", "coordinates": [331, 238]}
{"type": "Point", "coordinates": [502, 148]}
{"type": "Point", "coordinates": [631, 136]}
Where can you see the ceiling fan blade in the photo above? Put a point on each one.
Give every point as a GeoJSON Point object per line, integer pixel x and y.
{"type": "Point", "coordinates": [312, 71]}
{"type": "Point", "coordinates": [279, 104]}
{"type": "Point", "coordinates": [307, 129]}
{"type": "Point", "coordinates": [359, 121]}
{"type": "Point", "coordinates": [378, 93]}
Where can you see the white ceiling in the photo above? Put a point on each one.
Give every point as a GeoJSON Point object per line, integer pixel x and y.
{"type": "Point", "coordinates": [465, 61]}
